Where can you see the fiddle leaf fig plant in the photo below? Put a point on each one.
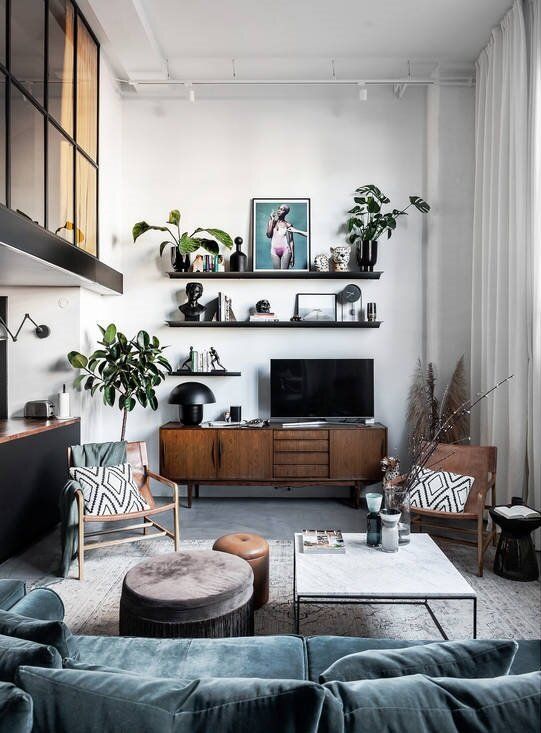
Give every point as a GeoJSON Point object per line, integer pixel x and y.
{"type": "Point", "coordinates": [368, 222]}
{"type": "Point", "coordinates": [205, 237]}
{"type": "Point", "coordinates": [127, 369]}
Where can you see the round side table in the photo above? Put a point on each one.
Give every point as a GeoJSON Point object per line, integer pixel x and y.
{"type": "Point", "coordinates": [515, 555]}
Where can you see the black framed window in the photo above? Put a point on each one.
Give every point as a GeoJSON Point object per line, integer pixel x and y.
{"type": "Point", "coordinates": [49, 103]}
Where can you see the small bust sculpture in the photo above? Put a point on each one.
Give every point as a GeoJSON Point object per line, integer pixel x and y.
{"type": "Point", "coordinates": [193, 310]}
{"type": "Point", "coordinates": [262, 306]}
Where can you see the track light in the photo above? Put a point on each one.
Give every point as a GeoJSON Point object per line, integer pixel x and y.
{"type": "Point", "coordinates": [363, 91]}
{"type": "Point", "coordinates": [191, 93]}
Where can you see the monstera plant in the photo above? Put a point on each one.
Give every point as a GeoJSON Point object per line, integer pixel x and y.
{"type": "Point", "coordinates": [127, 369]}
{"type": "Point", "coordinates": [184, 242]}
{"type": "Point", "coordinates": [367, 222]}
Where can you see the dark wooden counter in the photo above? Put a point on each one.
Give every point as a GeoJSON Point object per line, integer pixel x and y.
{"type": "Point", "coordinates": [33, 470]}
{"type": "Point", "coordinates": [23, 427]}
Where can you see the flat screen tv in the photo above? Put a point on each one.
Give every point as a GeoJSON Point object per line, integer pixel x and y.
{"type": "Point", "coordinates": [322, 388]}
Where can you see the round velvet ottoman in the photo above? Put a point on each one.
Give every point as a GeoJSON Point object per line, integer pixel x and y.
{"type": "Point", "coordinates": [255, 550]}
{"type": "Point", "coordinates": [188, 594]}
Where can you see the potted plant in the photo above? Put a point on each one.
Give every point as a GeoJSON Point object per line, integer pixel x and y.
{"type": "Point", "coordinates": [367, 222]}
{"type": "Point", "coordinates": [183, 244]}
{"type": "Point", "coordinates": [130, 369]}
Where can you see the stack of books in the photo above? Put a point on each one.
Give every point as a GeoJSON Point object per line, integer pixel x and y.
{"type": "Point", "coordinates": [200, 361]}
{"type": "Point", "coordinates": [263, 317]}
{"type": "Point", "coordinates": [225, 311]}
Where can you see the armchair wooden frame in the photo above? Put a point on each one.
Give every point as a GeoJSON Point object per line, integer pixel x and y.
{"type": "Point", "coordinates": [136, 455]}
{"type": "Point", "coordinates": [468, 460]}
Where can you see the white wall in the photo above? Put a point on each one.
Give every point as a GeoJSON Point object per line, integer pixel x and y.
{"type": "Point", "coordinates": [209, 159]}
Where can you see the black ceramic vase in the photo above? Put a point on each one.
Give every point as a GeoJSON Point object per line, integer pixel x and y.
{"type": "Point", "coordinates": [180, 262]}
{"type": "Point", "coordinates": [238, 262]}
{"type": "Point", "coordinates": [367, 255]}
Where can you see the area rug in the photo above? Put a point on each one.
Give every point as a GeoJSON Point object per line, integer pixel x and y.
{"type": "Point", "coordinates": [506, 609]}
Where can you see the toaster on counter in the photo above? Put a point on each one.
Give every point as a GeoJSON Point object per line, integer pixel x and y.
{"type": "Point", "coordinates": [39, 409]}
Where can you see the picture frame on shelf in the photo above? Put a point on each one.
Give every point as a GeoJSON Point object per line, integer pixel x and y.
{"type": "Point", "coordinates": [315, 306]}
{"type": "Point", "coordinates": [281, 235]}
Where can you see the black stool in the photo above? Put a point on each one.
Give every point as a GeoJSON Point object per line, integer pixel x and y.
{"type": "Point", "coordinates": [515, 555]}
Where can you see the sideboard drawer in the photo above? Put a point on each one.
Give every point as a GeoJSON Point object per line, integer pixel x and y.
{"type": "Point", "coordinates": [301, 435]}
{"type": "Point", "coordinates": [303, 471]}
{"type": "Point", "coordinates": [296, 458]}
{"type": "Point", "coordinates": [303, 446]}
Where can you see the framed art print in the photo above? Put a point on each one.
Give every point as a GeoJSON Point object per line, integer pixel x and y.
{"type": "Point", "coordinates": [281, 234]}
{"type": "Point", "coordinates": [315, 306]}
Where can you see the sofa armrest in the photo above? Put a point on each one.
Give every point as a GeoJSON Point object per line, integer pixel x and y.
{"type": "Point", "coordinates": [167, 482]}
{"type": "Point", "coordinates": [42, 604]}
{"type": "Point", "coordinates": [11, 591]}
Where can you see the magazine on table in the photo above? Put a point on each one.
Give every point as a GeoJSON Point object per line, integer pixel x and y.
{"type": "Point", "coordinates": [517, 511]}
{"type": "Point", "coordinates": [323, 540]}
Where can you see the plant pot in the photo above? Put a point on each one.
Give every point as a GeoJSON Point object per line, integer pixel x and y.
{"type": "Point", "coordinates": [180, 262]}
{"type": "Point", "coordinates": [367, 255]}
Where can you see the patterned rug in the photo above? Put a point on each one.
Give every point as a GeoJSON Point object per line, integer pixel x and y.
{"type": "Point", "coordinates": [506, 609]}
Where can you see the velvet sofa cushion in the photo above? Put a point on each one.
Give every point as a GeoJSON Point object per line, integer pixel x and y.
{"type": "Point", "coordinates": [322, 651]}
{"type": "Point", "coordinates": [11, 591]}
{"type": "Point", "coordinates": [83, 701]}
{"type": "Point", "coordinates": [464, 659]}
{"type": "Point", "coordinates": [40, 603]}
{"type": "Point", "coordinates": [15, 709]}
{"type": "Point", "coordinates": [440, 704]}
{"type": "Point", "coordinates": [16, 652]}
{"type": "Point", "coordinates": [267, 657]}
{"type": "Point", "coordinates": [50, 633]}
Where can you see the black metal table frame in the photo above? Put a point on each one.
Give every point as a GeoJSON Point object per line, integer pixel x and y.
{"type": "Point", "coordinates": [358, 600]}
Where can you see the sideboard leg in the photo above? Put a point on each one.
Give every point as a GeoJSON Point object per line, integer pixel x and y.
{"type": "Point", "coordinates": [196, 487]}
{"type": "Point", "coordinates": [357, 494]}
{"type": "Point", "coordinates": [190, 493]}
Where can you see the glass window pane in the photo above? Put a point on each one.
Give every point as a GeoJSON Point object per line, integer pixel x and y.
{"type": "Point", "coordinates": [3, 25]}
{"type": "Point", "coordinates": [60, 185]}
{"type": "Point", "coordinates": [86, 205]}
{"type": "Point", "coordinates": [28, 45]}
{"type": "Point", "coordinates": [2, 139]}
{"type": "Point", "coordinates": [87, 91]}
{"type": "Point", "coordinates": [27, 158]}
{"type": "Point", "coordinates": [61, 61]}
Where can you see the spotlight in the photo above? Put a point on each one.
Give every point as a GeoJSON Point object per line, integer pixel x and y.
{"type": "Point", "coordinates": [363, 92]}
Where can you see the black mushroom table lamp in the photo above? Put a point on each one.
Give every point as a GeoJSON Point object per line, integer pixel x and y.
{"type": "Point", "coordinates": [191, 396]}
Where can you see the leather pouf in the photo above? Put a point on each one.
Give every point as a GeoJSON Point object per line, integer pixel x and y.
{"type": "Point", "coordinates": [203, 593]}
{"type": "Point", "coordinates": [255, 550]}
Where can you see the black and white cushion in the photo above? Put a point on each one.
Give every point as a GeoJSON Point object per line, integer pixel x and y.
{"type": "Point", "coordinates": [108, 489]}
{"type": "Point", "coordinates": [441, 491]}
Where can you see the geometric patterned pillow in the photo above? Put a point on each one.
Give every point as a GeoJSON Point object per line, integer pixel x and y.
{"type": "Point", "coordinates": [440, 490]}
{"type": "Point", "coordinates": [109, 489]}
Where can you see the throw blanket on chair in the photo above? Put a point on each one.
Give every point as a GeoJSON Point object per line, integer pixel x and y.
{"type": "Point", "coordinates": [91, 454]}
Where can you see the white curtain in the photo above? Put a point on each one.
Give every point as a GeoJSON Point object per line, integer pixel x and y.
{"type": "Point", "coordinates": [533, 26]}
{"type": "Point", "coordinates": [501, 308]}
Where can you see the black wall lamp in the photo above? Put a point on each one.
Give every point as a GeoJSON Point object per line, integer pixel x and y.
{"type": "Point", "coordinates": [41, 331]}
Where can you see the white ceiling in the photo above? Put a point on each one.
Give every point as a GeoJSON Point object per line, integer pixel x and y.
{"type": "Point", "coordinates": [202, 36]}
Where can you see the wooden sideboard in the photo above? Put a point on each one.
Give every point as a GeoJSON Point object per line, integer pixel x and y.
{"type": "Point", "coordinates": [339, 455]}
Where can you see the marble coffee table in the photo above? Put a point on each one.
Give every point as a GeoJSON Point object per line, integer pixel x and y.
{"type": "Point", "coordinates": [417, 573]}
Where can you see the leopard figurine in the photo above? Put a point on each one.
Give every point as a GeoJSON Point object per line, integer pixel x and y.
{"type": "Point", "coordinates": [340, 258]}
{"type": "Point", "coordinates": [321, 263]}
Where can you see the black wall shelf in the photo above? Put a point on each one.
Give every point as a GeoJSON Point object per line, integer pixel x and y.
{"type": "Point", "coordinates": [214, 373]}
{"type": "Point", "coordinates": [274, 324]}
{"type": "Point", "coordinates": [269, 275]}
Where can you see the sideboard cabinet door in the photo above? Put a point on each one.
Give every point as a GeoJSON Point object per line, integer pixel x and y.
{"type": "Point", "coordinates": [244, 454]}
{"type": "Point", "coordinates": [356, 453]}
{"type": "Point", "coordinates": [188, 453]}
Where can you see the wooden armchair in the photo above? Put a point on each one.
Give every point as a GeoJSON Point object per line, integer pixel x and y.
{"type": "Point", "coordinates": [136, 455]}
{"type": "Point", "coordinates": [468, 460]}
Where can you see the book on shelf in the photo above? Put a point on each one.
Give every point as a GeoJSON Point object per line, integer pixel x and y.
{"type": "Point", "coordinates": [263, 317]}
{"type": "Point", "coordinates": [517, 511]}
{"type": "Point", "coordinates": [323, 540]}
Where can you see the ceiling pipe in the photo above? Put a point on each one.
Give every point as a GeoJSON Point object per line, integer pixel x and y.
{"type": "Point", "coordinates": [462, 81]}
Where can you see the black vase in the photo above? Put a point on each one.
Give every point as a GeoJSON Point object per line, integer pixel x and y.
{"type": "Point", "coordinates": [180, 262]}
{"type": "Point", "coordinates": [367, 255]}
{"type": "Point", "coordinates": [238, 262]}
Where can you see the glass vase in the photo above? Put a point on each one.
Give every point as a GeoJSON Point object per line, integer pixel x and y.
{"type": "Point", "coordinates": [398, 498]}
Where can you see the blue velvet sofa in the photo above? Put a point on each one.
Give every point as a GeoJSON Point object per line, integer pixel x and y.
{"type": "Point", "coordinates": [269, 683]}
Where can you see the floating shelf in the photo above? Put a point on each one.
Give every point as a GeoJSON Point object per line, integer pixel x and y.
{"type": "Point", "coordinates": [270, 275]}
{"type": "Point", "coordinates": [274, 324]}
{"type": "Point", "coordinates": [213, 373]}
